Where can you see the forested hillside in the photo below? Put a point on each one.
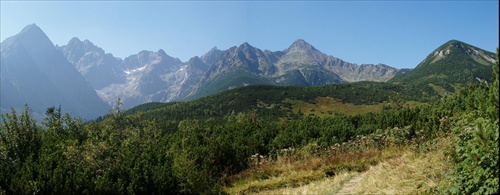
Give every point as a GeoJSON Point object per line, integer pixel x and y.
{"type": "Point", "coordinates": [276, 102]}
{"type": "Point", "coordinates": [194, 147]}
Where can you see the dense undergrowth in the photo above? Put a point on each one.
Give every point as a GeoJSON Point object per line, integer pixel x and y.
{"type": "Point", "coordinates": [130, 154]}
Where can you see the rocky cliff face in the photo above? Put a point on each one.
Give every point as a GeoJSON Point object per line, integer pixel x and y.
{"type": "Point", "coordinates": [99, 68]}
{"type": "Point", "coordinates": [149, 76]}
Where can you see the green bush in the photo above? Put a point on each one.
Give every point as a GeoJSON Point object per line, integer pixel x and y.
{"type": "Point", "coordinates": [476, 152]}
{"type": "Point", "coordinates": [475, 157]}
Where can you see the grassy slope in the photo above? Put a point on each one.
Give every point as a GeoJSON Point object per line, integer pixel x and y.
{"type": "Point", "coordinates": [392, 170]}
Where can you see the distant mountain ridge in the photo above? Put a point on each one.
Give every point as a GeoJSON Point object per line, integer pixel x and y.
{"type": "Point", "coordinates": [154, 76]}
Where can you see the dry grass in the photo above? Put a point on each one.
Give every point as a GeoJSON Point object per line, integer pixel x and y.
{"type": "Point", "coordinates": [330, 185]}
{"type": "Point", "coordinates": [290, 179]}
{"type": "Point", "coordinates": [412, 173]}
{"type": "Point", "coordinates": [304, 174]}
{"type": "Point", "coordinates": [394, 169]}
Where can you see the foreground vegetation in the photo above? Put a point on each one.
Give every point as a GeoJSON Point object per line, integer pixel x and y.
{"type": "Point", "coordinates": [248, 152]}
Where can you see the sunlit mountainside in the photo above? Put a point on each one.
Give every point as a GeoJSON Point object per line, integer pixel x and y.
{"type": "Point", "coordinates": [244, 121]}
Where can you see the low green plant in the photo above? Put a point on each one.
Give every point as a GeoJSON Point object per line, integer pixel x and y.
{"type": "Point", "coordinates": [475, 156]}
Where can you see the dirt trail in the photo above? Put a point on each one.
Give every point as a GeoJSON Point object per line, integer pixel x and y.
{"type": "Point", "coordinates": [350, 185]}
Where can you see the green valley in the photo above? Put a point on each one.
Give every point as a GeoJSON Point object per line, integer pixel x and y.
{"type": "Point", "coordinates": [399, 137]}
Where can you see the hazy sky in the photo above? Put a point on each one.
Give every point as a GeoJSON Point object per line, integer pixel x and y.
{"type": "Point", "coordinates": [396, 33]}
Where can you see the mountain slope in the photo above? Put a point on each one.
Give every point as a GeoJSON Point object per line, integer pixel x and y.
{"type": "Point", "coordinates": [34, 72]}
{"type": "Point", "coordinates": [452, 64]}
{"type": "Point", "coordinates": [301, 53]}
{"type": "Point", "coordinates": [149, 76]}
{"type": "Point", "coordinates": [310, 63]}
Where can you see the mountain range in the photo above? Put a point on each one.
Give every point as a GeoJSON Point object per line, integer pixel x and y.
{"type": "Point", "coordinates": [86, 81]}
{"type": "Point", "coordinates": [157, 77]}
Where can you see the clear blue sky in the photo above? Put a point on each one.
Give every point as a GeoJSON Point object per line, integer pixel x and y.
{"type": "Point", "coordinates": [396, 33]}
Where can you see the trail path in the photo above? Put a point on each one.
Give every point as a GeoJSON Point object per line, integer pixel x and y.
{"type": "Point", "coordinates": [350, 185]}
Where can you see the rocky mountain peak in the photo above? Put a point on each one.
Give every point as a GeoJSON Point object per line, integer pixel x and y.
{"type": "Point", "coordinates": [245, 46]}
{"type": "Point", "coordinates": [89, 46]}
{"type": "Point", "coordinates": [211, 56]}
{"type": "Point", "coordinates": [213, 50]}
{"type": "Point", "coordinates": [33, 39]}
{"type": "Point", "coordinates": [453, 42]}
{"type": "Point", "coordinates": [457, 48]}
{"type": "Point", "coordinates": [198, 63]}
{"type": "Point", "coordinates": [76, 49]}
{"type": "Point", "coordinates": [144, 52]}
{"type": "Point", "coordinates": [31, 30]}
{"type": "Point", "coordinates": [85, 46]}
{"type": "Point", "coordinates": [300, 44]}
{"type": "Point", "coordinates": [74, 42]}
{"type": "Point", "coordinates": [301, 53]}
{"type": "Point", "coordinates": [87, 42]}
{"type": "Point", "coordinates": [152, 60]}
{"type": "Point", "coordinates": [161, 52]}
{"type": "Point", "coordinates": [194, 59]}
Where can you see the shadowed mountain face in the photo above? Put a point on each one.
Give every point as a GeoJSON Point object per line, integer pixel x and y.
{"type": "Point", "coordinates": [34, 72]}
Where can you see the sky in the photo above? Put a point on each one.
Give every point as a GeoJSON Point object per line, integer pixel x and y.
{"type": "Point", "coordinates": [396, 33]}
